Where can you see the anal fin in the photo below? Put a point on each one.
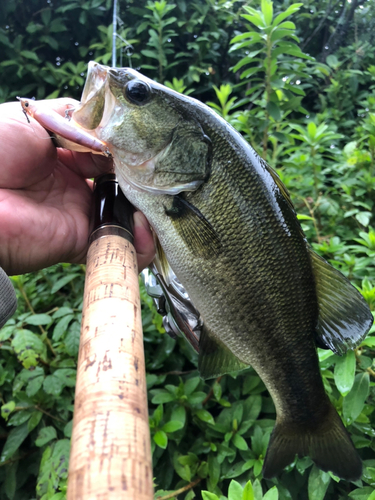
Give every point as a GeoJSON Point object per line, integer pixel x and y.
{"type": "Point", "coordinates": [215, 359]}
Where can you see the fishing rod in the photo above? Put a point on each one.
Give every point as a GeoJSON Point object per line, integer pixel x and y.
{"type": "Point", "coordinates": [111, 452]}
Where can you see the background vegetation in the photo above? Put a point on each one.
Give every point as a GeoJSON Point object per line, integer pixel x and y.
{"type": "Point", "coordinates": [298, 81]}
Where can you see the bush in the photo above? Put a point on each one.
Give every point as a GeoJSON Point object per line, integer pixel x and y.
{"type": "Point", "coordinates": [310, 111]}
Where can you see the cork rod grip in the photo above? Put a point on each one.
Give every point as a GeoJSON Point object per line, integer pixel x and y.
{"type": "Point", "coordinates": [111, 455]}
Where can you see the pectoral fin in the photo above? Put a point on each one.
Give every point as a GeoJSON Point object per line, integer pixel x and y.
{"type": "Point", "coordinates": [344, 316]}
{"type": "Point", "coordinates": [195, 230]}
{"type": "Point", "coordinates": [161, 262]}
{"type": "Point", "coordinates": [215, 358]}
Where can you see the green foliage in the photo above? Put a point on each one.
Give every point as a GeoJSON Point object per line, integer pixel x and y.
{"type": "Point", "coordinates": [310, 111]}
{"type": "Point", "coordinates": [273, 65]}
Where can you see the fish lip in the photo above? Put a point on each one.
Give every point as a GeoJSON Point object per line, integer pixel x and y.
{"type": "Point", "coordinates": [95, 79]}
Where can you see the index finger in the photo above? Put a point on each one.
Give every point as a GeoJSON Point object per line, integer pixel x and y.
{"type": "Point", "coordinates": [30, 154]}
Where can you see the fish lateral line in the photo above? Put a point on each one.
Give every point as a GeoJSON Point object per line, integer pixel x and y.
{"type": "Point", "coordinates": [55, 123]}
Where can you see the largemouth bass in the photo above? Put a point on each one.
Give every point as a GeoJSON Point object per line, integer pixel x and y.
{"type": "Point", "coordinates": [229, 232]}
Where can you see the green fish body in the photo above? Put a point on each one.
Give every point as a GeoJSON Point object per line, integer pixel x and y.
{"type": "Point", "coordinates": [229, 231]}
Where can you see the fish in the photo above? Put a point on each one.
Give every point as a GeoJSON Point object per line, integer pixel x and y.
{"type": "Point", "coordinates": [227, 228]}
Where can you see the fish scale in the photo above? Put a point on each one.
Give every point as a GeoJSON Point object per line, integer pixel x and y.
{"type": "Point", "coordinates": [229, 231]}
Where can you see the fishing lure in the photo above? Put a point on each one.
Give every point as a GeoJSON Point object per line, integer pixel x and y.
{"type": "Point", "coordinates": [68, 135]}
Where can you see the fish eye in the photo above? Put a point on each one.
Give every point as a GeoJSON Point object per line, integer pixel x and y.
{"type": "Point", "coordinates": [137, 92]}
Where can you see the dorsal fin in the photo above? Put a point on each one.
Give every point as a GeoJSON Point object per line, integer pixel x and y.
{"type": "Point", "coordinates": [280, 185]}
{"type": "Point", "coordinates": [344, 316]}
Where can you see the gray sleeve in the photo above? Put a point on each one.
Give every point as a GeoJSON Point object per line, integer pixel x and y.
{"type": "Point", "coordinates": [8, 299]}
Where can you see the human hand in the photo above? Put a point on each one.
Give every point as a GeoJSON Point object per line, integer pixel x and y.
{"type": "Point", "coordinates": [46, 197]}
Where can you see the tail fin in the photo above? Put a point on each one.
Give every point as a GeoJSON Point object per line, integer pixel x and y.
{"type": "Point", "coordinates": [328, 444]}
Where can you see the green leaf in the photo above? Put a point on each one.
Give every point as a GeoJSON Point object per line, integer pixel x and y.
{"type": "Point", "coordinates": [274, 111]}
{"type": "Point", "coordinates": [235, 490]}
{"type": "Point", "coordinates": [34, 420]}
{"type": "Point", "coordinates": [15, 438]}
{"type": "Point", "coordinates": [179, 413]}
{"type": "Point", "coordinates": [72, 339]}
{"type": "Point", "coordinates": [68, 429]}
{"type": "Point", "coordinates": [345, 372]}
{"type": "Point", "coordinates": [62, 311]}
{"type": "Point", "coordinates": [54, 465]}
{"type": "Point", "coordinates": [256, 20]}
{"type": "Point", "coordinates": [197, 397]}
{"type": "Point", "coordinates": [190, 495]}
{"type": "Point", "coordinates": [158, 415]}
{"type": "Point", "coordinates": [190, 459]}
{"type": "Point", "coordinates": [239, 442]}
{"type": "Point", "coordinates": [183, 470]}
{"type": "Point", "coordinates": [318, 483]}
{"type": "Point", "coordinates": [213, 469]}
{"type": "Point", "coordinates": [19, 417]}
{"type": "Point", "coordinates": [248, 492]}
{"type": "Point", "coordinates": [235, 470]}
{"type": "Point", "coordinates": [279, 33]}
{"type": "Point", "coordinates": [304, 217]}
{"type": "Point", "coordinates": [354, 402]}
{"type": "Point", "coordinates": [6, 332]}
{"type": "Point", "coordinates": [205, 416]}
{"type": "Point", "coordinates": [162, 396]}
{"type": "Point", "coordinates": [46, 435]}
{"type": "Point", "coordinates": [55, 383]}
{"type": "Point", "coordinates": [150, 53]}
{"type": "Point", "coordinates": [52, 385]}
{"type": "Point", "coordinates": [30, 55]}
{"type": "Point", "coordinates": [311, 130]}
{"type": "Point", "coordinates": [10, 482]}
{"type": "Point", "coordinates": [217, 391]}
{"type": "Point", "coordinates": [28, 348]}
{"type": "Point", "coordinates": [289, 11]}
{"type": "Point", "coordinates": [272, 494]}
{"type": "Point", "coordinates": [172, 426]}
{"type": "Point", "coordinates": [250, 72]}
{"type": "Point", "coordinates": [161, 439]}
{"type": "Point", "coordinates": [63, 281]}
{"type": "Point", "coordinates": [252, 407]}
{"type": "Point", "coordinates": [332, 61]}
{"type": "Point", "coordinates": [258, 491]}
{"type": "Point", "coordinates": [363, 218]}
{"type": "Point", "coordinates": [35, 381]}
{"type": "Point", "coordinates": [46, 16]}
{"type": "Point", "coordinates": [206, 495]}
{"type": "Point", "coordinates": [7, 409]}
{"type": "Point", "coordinates": [267, 11]}
{"type": "Point", "coordinates": [39, 319]}
{"type": "Point", "coordinates": [61, 327]}
{"type": "Point", "coordinates": [288, 25]}
{"type": "Point", "coordinates": [361, 493]}
{"type": "Point", "coordinates": [191, 384]}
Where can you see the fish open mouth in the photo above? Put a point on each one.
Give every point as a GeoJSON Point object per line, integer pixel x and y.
{"type": "Point", "coordinates": [96, 77]}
